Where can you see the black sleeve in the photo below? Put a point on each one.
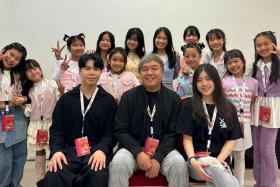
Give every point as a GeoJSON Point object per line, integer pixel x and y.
{"type": "Point", "coordinates": [57, 141]}
{"type": "Point", "coordinates": [122, 128]}
{"type": "Point", "coordinates": [108, 141]}
{"type": "Point", "coordinates": [168, 141]}
{"type": "Point", "coordinates": [185, 124]}
{"type": "Point", "coordinates": [236, 132]}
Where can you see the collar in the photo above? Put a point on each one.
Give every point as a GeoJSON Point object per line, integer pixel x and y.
{"type": "Point", "coordinates": [261, 65]}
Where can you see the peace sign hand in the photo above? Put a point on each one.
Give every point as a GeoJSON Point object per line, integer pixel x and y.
{"type": "Point", "coordinates": [57, 51]}
{"type": "Point", "coordinates": [276, 50]}
{"type": "Point", "coordinates": [65, 64]}
{"type": "Point", "coordinates": [2, 56]}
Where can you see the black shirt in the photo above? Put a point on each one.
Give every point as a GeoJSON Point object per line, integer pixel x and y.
{"type": "Point", "coordinates": [132, 120]}
{"type": "Point", "coordinates": [98, 126]}
{"type": "Point", "coordinates": [199, 132]}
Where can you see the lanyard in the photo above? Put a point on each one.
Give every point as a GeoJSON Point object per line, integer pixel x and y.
{"type": "Point", "coordinates": [43, 89]}
{"type": "Point", "coordinates": [265, 79]}
{"type": "Point", "coordinates": [88, 107]}
{"type": "Point", "coordinates": [6, 102]}
{"type": "Point", "coordinates": [241, 96]}
{"type": "Point", "coordinates": [151, 115]}
{"type": "Point", "coordinates": [115, 84]}
{"type": "Point", "coordinates": [210, 123]}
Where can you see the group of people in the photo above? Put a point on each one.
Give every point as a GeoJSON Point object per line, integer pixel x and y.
{"type": "Point", "coordinates": [142, 105]}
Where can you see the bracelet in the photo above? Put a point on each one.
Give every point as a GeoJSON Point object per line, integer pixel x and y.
{"type": "Point", "coordinates": [189, 159]}
{"type": "Point", "coordinates": [25, 99]}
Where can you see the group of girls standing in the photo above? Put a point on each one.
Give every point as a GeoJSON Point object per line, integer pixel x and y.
{"type": "Point", "coordinates": [24, 92]}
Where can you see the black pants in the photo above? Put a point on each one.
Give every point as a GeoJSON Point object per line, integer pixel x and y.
{"type": "Point", "coordinates": [76, 174]}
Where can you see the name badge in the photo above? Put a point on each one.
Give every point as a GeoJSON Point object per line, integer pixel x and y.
{"type": "Point", "coordinates": [42, 137]}
{"type": "Point", "coordinates": [151, 146]}
{"type": "Point", "coordinates": [8, 123]}
{"type": "Point", "coordinates": [264, 114]}
{"type": "Point", "coordinates": [82, 146]}
{"type": "Point", "coordinates": [202, 153]}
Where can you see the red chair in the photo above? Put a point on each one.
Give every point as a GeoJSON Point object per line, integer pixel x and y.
{"type": "Point", "coordinates": [139, 179]}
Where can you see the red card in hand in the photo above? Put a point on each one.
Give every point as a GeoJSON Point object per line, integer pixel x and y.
{"type": "Point", "coordinates": [82, 146]}
{"type": "Point", "coordinates": [151, 146]}
{"type": "Point", "coordinates": [8, 123]}
{"type": "Point", "coordinates": [202, 154]}
{"type": "Point", "coordinates": [264, 114]}
{"type": "Point", "coordinates": [42, 137]}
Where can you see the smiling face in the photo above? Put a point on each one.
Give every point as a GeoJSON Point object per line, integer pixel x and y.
{"type": "Point", "coordinates": [151, 75]}
{"type": "Point", "coordinates": [105, 43]}
{"type": "Point", "coordinates": [191, 38]}
{"type": "Point", "coordinates": [90, 74]}
{"type": "Point", "coordinates": [77, 48]}
{"type": "Point", "coordinates": [205, 85]}
{"type": "Point", "coordinates": [192, 57]}
{"type": "Point", "coordinates": [215, 43]}
{"type": "Point", "coordinates": [263, 46]}
{"type": "Point", "coordinates": [117, 63]}
{"type": "Point", "coordinates": [12, 58]}
{"type": "Point", "coordinates": [236, 67]}
{"type": "Point", "coordinates": [161, 41]}
{"type": "Point", "coordinates": [132, 42]}
{"type": "Point", "coordinates": [34, 74]}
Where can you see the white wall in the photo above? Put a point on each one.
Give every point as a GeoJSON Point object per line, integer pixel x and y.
{"type": "Point", "coordinates": [38, 24]}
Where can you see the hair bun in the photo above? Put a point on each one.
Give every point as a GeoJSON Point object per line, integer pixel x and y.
{"type": "Point", "coordinates": [82, 35]}
{"type": "Point", "coordinates": [201, 45]}
{"type": "Point", "coordinates": [183, 47]}
{"type": "Point", "coordinates": [66, 37]}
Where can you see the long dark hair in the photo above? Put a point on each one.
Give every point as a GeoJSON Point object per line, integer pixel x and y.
{"type": "Point", "coordinates": [19, 68]}
{"type": "Point", "coordinates": [223, 105]}
{"type": "Point", "coordinates": [140, 50]}
{"type": "Point", "coordinates": [169, 48]}
{"type": "Point", "coordinates": [28, 84]}
{"type": "Point", "coordinates": [112, 40]}
{"type": "Point", "coordinates": [234, 53]}
{"type": "Point", "coordinates": [275, 61]}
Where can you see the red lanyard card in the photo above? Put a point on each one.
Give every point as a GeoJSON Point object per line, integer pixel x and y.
{"type": "Point", "coordinates": [82, 146]}
{"type": "Point", "coordinates": [8, 123]}
{"type": "Point", "coordinates": [264, 114]}
{"type": "Point", "coordinates": [151, 146]}
{"type": "Point", "coordinates": [202, 153]}
{"type": "Point", "coordinates": [42, 137]}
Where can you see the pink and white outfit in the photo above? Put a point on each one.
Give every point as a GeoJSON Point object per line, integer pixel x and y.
{"type": "Point", "coordinates": [240, 92]}
{"type": "Point", "coordinates": [69, 78]}
{"type": "Point", "coordinates": [44, 96]}
{"type": "Point", "coordinates": [116, 84]}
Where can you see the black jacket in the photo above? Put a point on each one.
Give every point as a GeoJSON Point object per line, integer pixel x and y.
{"type": "Point", "coordinates": [132, 121]}
{"type": "Point", "coordinates": [99, 122]}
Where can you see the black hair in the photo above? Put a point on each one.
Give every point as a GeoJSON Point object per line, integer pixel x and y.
{"type": "Point", "coordinates": [191, 30]}
{"type": "Point", "coordinates": [28, 84]}
{"type": "Point", "coordinates": [198, 47]}
{"type": "Point", "coordinates": [70, 39]}
{"type": "Point", "coordinates": [220, 100]}
{"type": "Point", "coordinates": [98, 62]}
{"type": "Point", "coordinates": [217, 33]}
{"type": "Point", "coordinates": [19, 68]}
{"type": "Point", "coordinates": [275, 61]}
{"type": "Point", "coordinates": [112, 41]}
{"type": "Point", "coordinates": [114, 51]}
{"type": "Point", "coordinates": [169, 48]}
{"type": "Point", "coordinates": [234, 53]}
{"type": "Point", "coordinates": [140, 50]}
